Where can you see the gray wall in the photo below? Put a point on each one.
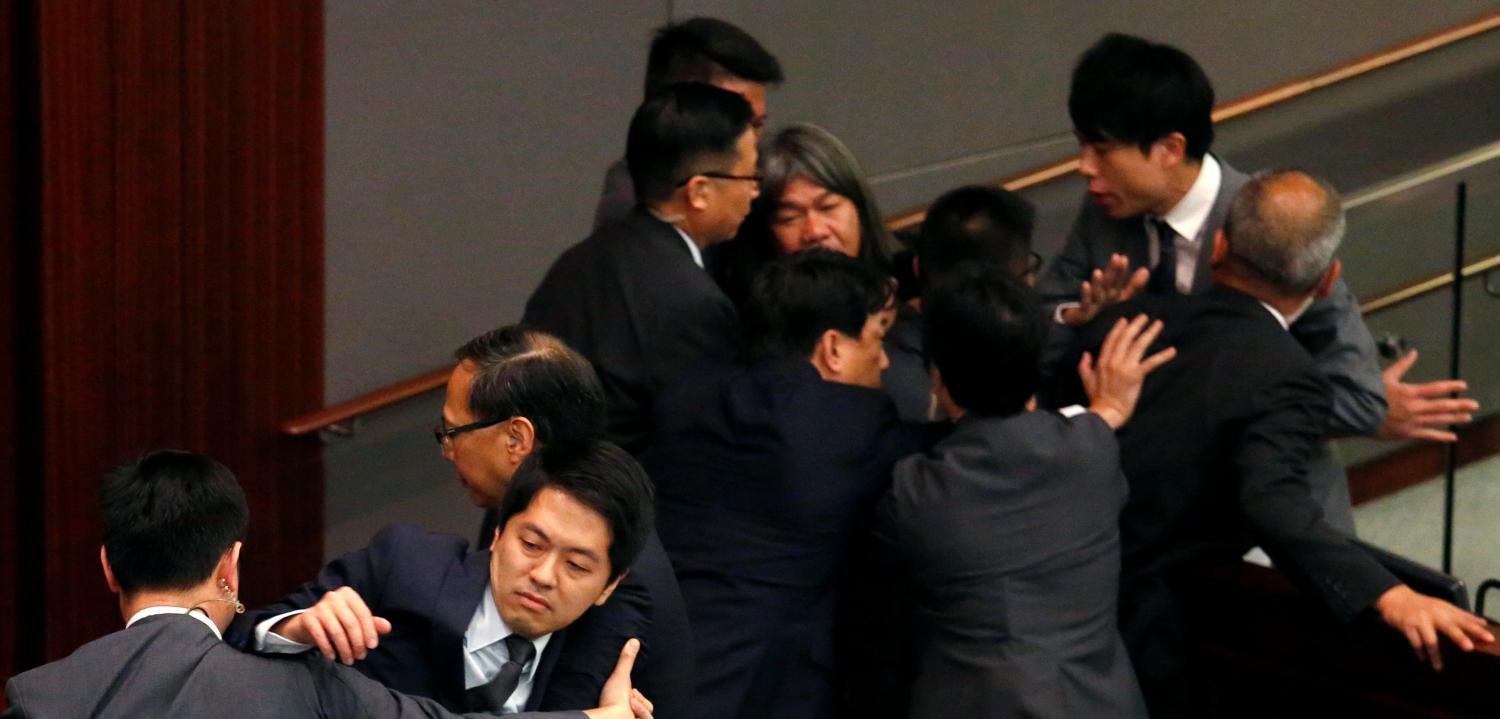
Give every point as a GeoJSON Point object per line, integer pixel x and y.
{"type": "Point", "coordinates": [466, 141]}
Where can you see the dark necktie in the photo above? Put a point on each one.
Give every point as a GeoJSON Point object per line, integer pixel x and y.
{"type": "Point", "coordinates": [1164, 276]}
{"type": "Point", "coordinates": [491, 697]}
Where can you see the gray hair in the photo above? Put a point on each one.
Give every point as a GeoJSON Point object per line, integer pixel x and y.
{"type": "Point", "coordinates": [806, 150]}
{"type": "Point", "coordinates": [1285, 226]}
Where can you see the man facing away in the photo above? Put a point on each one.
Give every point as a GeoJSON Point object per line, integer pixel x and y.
{"type": "Point", "coordinates": [1156, 196]}
{"type": "Point", "coordinates": [767, 472]}
{"type": "Point", "coordinates": [1217, 455]}
{"type": "Point", "coordinates": [1006, 532]}
{"type": "Point", "coordinates": [706, 50]}
{"type": "Point", "coordinates": [173, 523]}
{"type": "Point", "coordinates": [633, 297]}
{"type": "Point", "coordinates": [483, 630]}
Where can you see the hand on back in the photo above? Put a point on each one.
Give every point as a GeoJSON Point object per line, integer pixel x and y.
{"type": "Point", "coordinates": [340, 625]}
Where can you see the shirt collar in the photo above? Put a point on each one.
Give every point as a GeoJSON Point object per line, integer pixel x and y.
{"type": "Point", "coordinates": [197, 614]}
{"type": "Point", "coordinates": [692, 246]}
{"type": "Point", "coordinates": [1188, 216]}
{"type": "Point", "coordinates": [487, 627]}
{"type": "Point", "coordinates": [1280, 318]}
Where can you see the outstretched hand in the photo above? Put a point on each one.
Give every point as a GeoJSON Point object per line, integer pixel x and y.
{"type": "Point", "coordinates": [1422, 411]}
{"type": "Point", "coordinates": [1111, 284]}
{"type": "Point", "coordinates": [618, 699]}
{"type": "Point", "coordinates": [1113, 384]}
{"type": "Point", "coordinates": [341, 625]}
{"type": "Point", "coordinates": [1422, 619]}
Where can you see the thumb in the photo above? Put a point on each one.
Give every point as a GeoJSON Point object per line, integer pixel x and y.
{"type": "Point", "coordinates": [382, 625]}
{"type": "Point", "coordinates": [617, 688]}
{"type": "Point", "coordinates": [1400, 366]}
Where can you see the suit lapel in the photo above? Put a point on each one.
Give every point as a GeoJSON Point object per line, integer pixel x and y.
{"type": "Point", "coordinates": [1231, 180]}
{"type": "Point", "coordinates": [544, 670]}
{"type": "Point", "coordinates": [457, 598]}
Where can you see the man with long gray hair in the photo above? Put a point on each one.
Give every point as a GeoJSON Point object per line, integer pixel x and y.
{"type": "Point", "coordinates": [1217, 456]}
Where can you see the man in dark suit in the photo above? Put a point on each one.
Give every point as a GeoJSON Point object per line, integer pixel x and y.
{"type": "Point", "coordinates": [1217, 455]}
{"type": "Point", "coordinates": [515, 390]}
{"type": "Point", "coordinates": [634, 298]}
{"type": "Point", "coordinates": [478, 630]}
{"type": "Point", "coordinates": [172, 528]}
{"type": "Point", "coordinates": [1007, 531]}
{"type": "Point", "coordinates": [1156, 196]}
{"type": "Point", "coordinates": [700, 49]}
{"type": "Point", "coordinates": [767, 471]}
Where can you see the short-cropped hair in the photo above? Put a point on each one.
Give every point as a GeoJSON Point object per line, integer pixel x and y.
{"type": "Point", "coordinates": [975, 223]}
{"type": "Point", "coordinates": [984, 332]}
{"type": "Point", "coordinates": [598, 475]}
{"type": "Point", "coordinates": [1130, 90]}
{"type": "Point", "coordinates": [527, 373]}
{"type": "Point", "coordinates": [684, 129]}
{"type": "Point", "coordinates": [1285, 226]}
{"type": "Point", "coordinates": [168, 518]}
{"type": "Point", "coordinates": [689, 51]}
{"type": "Point", "coordinates": [795, 299]}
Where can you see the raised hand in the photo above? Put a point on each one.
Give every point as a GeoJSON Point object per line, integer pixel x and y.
{"type": "Point", "coordinates": [1422, 411]}
{"type": "Point", "coordinates": [340, 625]}
{"type": "Point", "coordinates": [1111, 284]}
{"type": "Point", "coordinates": [1113, 384]}
{"type": "Point", "coordinates": [618, 699]}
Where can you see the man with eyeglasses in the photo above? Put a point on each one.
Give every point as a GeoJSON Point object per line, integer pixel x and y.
{"type": "Point", "coordinates": [633, 297]}
{"type": "Point", "coordinates": [403, 610]}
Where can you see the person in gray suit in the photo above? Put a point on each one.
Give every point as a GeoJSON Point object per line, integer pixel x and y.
{"type": "Point", "coordinates": [1007, 532]}
{"type": "Point", "coordinates": [1143, 116]}
{"type": "Point", "coordinates": [173, 524]}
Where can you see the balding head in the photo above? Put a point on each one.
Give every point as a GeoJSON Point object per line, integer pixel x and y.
{"type": "Point", "coordinates": [1283, 228]}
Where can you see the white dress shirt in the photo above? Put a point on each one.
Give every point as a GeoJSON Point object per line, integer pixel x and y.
{"type": "Point", "coordinates": [1187, 219]}
{"type": "Point", "coordinates": [484, 649]}
{"type": "Point", "coordinates": [197, 614]}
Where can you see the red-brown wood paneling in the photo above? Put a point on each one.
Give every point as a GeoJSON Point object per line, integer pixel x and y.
{"type": "Point", "coordinates": [10, 621]}
{"type": "Point", "coordinates": [181, 270]}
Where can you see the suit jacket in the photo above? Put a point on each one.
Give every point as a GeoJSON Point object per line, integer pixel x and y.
{"type": "Point", "coordinates": [428, 585]}
{"type": "Point", "coordinates": [1007, 534]}
{"type": "Point", "coordinates": [764, 476]}
{"type": "Point", "coordinates": [1217, 458]}
{"type": "Point", "coordinates": [631, 300]}
{"type": "Point", "coordinates": [1332, 329]}
{"type": "Point", "coordinates": [171, 665]}
{"type": "Point", "coordinates": [906, 379]}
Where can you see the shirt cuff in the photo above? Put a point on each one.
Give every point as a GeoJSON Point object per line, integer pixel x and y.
{"type": "Point", "coordinates": [1057, 312]}
{"type": "Point", "coordinates": [273, 643]}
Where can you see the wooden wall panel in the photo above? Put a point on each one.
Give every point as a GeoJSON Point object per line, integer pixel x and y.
{"type": "Point", "coordinates": [10, 351]}
{"type": "Point", "coordinates": [181, 270]}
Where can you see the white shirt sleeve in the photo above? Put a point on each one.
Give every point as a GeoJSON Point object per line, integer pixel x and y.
{"type": "Point", "coordinates": [271, 642]}
{"type": "Point", "coordinates": [1057, 313]}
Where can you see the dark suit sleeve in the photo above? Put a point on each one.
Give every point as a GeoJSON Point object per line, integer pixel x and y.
{"type": "Point", "coordinates": [364, 570]}
{"type": "Point", "coordinates": [344, 692]}
{"type": "Point", "coordinates": [1333, 331]}
{"type": "Point", "coordinates": [1271, 460]}
{"type": "Point", "coordinates": [1059, 283]}
{"type": "Point", "coordinates": [594, 643]}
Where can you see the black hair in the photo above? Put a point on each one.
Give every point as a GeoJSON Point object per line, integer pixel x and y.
{"type": "Point", "coordinates": [689, 50]}
{"type": "Point", "coordinates": [797, 298]}
{"type": "Point", "coordinates": [985, 333]}
{"type": "Point", "coordinates": [168, 518]}
{"type": "Point", "coordinates": [976, 223]}
{"type": "Point", "coordinates": [526, 373]}
{"type": "Point", "coordinates": [1130, 90]}
{"type": "Point", "coordinates": [680, 131]}
{"type": "Point", "coordinates": [598, 475]}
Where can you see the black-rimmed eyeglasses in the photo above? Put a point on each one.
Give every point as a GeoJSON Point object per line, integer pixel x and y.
{"type": "Point", "coordinates": [443, 434]}
{"type": "Point", "coordinates": [719, 176]}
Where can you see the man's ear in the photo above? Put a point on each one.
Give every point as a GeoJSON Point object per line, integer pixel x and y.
{"type": "Point", "coordinates": [1172, 148]}
{"type": "Point", "coordinates": [1221, 248]}
{"type": "Point", "coordinates": [229, 567]}
{"type": "Point", "coordinates": [610, 589]}
{"type": "Point", "coordinates": [697, 192]}
{"type": "Point", "coordinates": [1325, 285]}
{"type": "Point", "coordinates": [495, 540]}
{"type": "Point", "coordinates": [109, 573]}
{"type": "Point", "coordinates": [520, 439]}
{"type": "Point", "coordinates": [826, 357]}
